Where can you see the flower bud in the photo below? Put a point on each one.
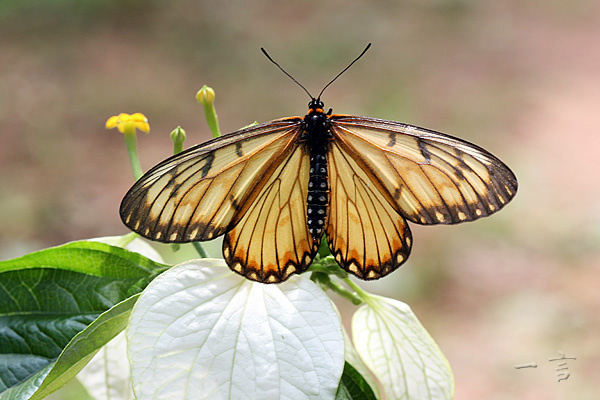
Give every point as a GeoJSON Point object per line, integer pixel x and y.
{"type": "Point", "coordinates": [205, 96]}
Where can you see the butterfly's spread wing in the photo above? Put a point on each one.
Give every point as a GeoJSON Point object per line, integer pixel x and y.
{"type": "Point", "coordinates": [366, 235]}
{"type": "Point", "coordinates": [202, 192]}
{"type": "Point", "coordinates": [271, 241]}
{"type": "Point", "coordinates": [427, 176]}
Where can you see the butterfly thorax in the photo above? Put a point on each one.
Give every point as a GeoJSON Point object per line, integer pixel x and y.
{"type": "Point", "coordinates": [317, 136]}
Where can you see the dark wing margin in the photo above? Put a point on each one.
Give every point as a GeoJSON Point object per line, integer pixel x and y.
{"type": "Point", "coordinates": [200, 193]}
{"type": "Point", "coordinates": [427, 176]}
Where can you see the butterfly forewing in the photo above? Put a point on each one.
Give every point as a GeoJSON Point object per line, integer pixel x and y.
{"type": "Point", "coordinates": [271, 241]}
{"type": "Point", "coordinates": [429, 177]}
{"type": "Point", "coordinates": [197, 194]}
{"type": "Point", "coordinates": [366, 235]}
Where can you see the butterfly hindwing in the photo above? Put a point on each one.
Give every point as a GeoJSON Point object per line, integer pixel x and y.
{"type": "Point", "coordinates": [271, 240]}
{"type": "Point", "coordinates": [429, 177]}
{"type": "Point", "coordinates": [366, 235]}
{"type": "Point", "coordinates": [199, 193]}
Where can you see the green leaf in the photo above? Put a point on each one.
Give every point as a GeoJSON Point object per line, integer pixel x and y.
{"type": "Point", "coordinates": [48, 298]}
{"type": "Point", "coordinates": [353, 386]}
{"type": "Point", "coordinates": [399, 351]}
{"type": "Point", "coordinates": [85, 345]}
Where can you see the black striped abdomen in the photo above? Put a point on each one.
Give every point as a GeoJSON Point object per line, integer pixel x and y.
{"type": "Point", "coordinates": [318, 192]}
{"type": "Point", "coordinates": [317, 136]}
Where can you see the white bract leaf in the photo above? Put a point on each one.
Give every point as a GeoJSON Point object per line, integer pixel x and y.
{"type": "Point", "coordinates": [400, 352]}
{"type": "Point", "coordinates": [199, 331]}
{"type": "Point", "coordinates": [106, 377]}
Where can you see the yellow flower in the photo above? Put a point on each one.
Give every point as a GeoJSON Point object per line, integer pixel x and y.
{"type": "Point", "coordinates": [128, 123]}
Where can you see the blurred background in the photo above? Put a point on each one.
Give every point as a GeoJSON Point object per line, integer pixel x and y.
{"type": "Point", "coordinates": [521, 79]}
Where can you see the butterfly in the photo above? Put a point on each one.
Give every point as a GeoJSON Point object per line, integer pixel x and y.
{"type": "Point", "coordinates": [275, 190]}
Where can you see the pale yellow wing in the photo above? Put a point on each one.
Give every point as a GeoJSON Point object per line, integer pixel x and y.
{"type": "Point", "coordinates": [202, 192]}
{"type": "Point", "coordinates": [427, 176]}
{"type": "Point", "coordinates": [366, 235]}
{"type": "Point", "coordinates": [271, 241]}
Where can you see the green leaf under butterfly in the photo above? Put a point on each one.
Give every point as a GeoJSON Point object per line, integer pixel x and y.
{"type": "Point", "coordinates": [58, 306]}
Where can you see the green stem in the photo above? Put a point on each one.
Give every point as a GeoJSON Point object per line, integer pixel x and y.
{"type": "Point", "coordinates": [131, 143]}
{"type": "Point", "coordinates": [324, 280]}
{"type": "Point", "coordinates": [200, 249]}
{"type": "Point", "coordinates": [364, 296]}
{"type": "Point", "coordinates": [345, 293]}
{"type": "Point", "coordinates": [177, 147]}
{"type": "Point", "coordinates": [211, 118]}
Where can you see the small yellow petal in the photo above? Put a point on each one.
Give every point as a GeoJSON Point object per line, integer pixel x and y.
{"type": "Point", "coordinates": [143, 126]}
{"type": "Point", "coordinates": [112, 122]}
{"type": "Point", "coordinates": [139, 117]}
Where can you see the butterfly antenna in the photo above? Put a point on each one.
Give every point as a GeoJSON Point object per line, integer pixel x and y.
{"type": "Point", "coordinates": [285, 72]}
{"type": "Point", "coordinates": [344, 70]}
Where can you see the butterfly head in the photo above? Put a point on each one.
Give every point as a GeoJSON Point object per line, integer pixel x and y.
{"type": "Point", "coordinates": [316, 120]}
{"type": "Point", "coordinates": [315, 106]}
